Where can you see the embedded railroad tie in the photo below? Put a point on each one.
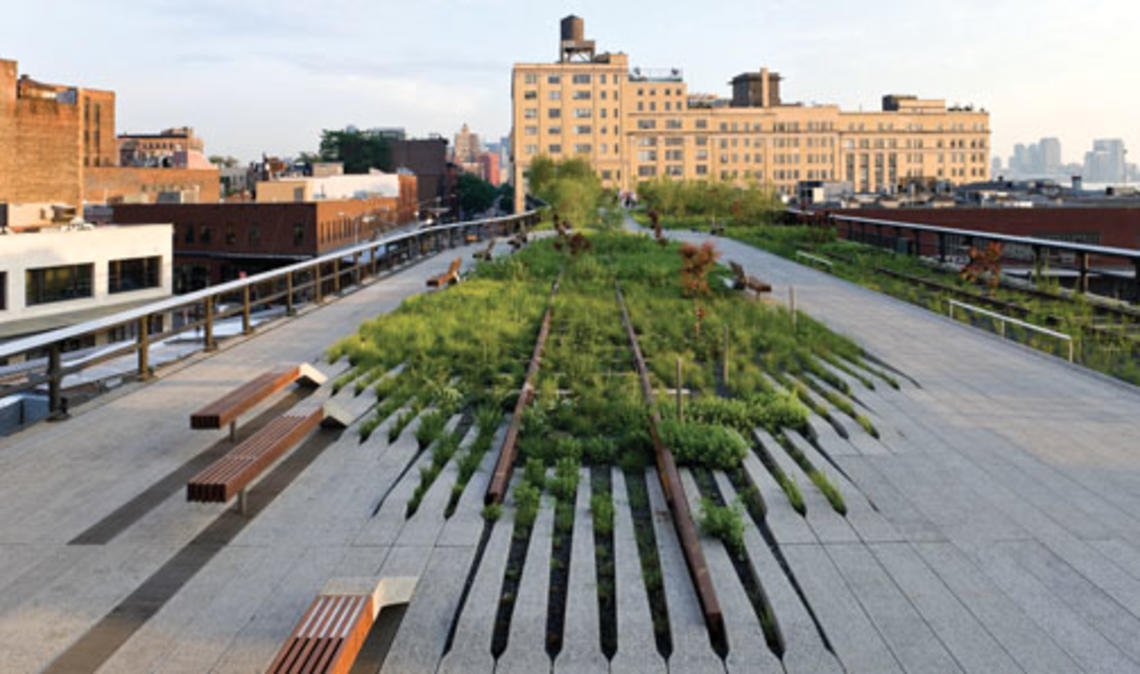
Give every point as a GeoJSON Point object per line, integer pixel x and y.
{"type": "Point", "coordinates": [330, 634]}
{"type": "Point", "coordinates": [446, 279]}
{"type": "Point", "coordinates": [745, 282]}
{"type": "Point", "coordinates": [226, 410]}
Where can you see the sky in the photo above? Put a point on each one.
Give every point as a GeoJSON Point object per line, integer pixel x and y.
{"type": "Point", "coordinates": [253, 76]}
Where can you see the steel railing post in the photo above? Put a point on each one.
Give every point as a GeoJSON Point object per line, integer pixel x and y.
{"type": "Point", "coordinates": [208, 328]}
{"type": "Point", "coordinates": [1083, 283]}
{"type": "Point", "coordinates": [246, 323]}
{"type": "Point", "coordinates": [144, 347]}
{"type": "Point", "coordinates": [289, 294]}
{"type": "Point", "coordinates": [55, 378]}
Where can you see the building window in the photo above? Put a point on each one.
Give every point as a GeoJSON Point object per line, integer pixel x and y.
{"type": "Point", "coordinates": [606, 173]}
{"type": "Point", "coordinates": [582, 129]}
{"type": "Point", "coordinates": [531, 130]}
{"type": "Point", "coordinates": [553, 79]}
{"type": "Point", "coordinates": [702, 169]}
{"type": "Point", "coordinates": [57, 284]}
{"type": "Point", "coordinates": [188, 236]}
{"type": "Point", "coordinates": [134, 273]}
{"type": "Point", "coordinates": [205, 237]}
{"type": "Point", "coordinates": [530, 113]}
{"type": "Point", "coordinates": [555, 148]}
{"type": "Point", "coordinates": [555, 131]}
{"type": "Point", "coordinates": [647, 155]}
{"type": "Point", "coordinates": [530, 95]}
{"type": "Point", "coordinates": [652, 106]}
{"type": "Point", "coordinates": [582, 95]}
{"type": "Point", "coordinates": [582, 113]}
{"type": "Point", "coordinates": [298, 234]}
{"type": "Point", "coordinates": [554, 113]}
{"type": "Point", "coordinates": [582, 148]}
{"type": "Point", "coordinates": [530, 78]}
{"type": "Point", "coordinates": [602, 78]}
{"type": "Point", "coordinates": [254, 235]}
{"type": "Point", "coordinates": [555, 95]}
{"type": "Point", "coordinates": [580, 79]}
{"type": "Point", "coordinates": [647, 123]}
{"type": "Point", "coordinates": [646, 171]}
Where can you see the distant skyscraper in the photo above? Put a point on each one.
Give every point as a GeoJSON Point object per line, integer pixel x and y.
{"type": "Point", "coordinates": [1019, 162]}
{"type": "Point", "coordinates": [466, 146]}
{"type": "Point", "coordinates": [1105, 163]}
{"type": "Point", "coordinates": [1050, 155]}
{"type": "Point", "coordinates": [996, 167]}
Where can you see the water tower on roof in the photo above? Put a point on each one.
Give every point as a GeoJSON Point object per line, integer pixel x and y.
{"type": "Point", "coordinates": [574, 46]}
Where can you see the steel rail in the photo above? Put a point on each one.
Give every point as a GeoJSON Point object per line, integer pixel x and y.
{"type": "Point", "coordinates": [675, 493]}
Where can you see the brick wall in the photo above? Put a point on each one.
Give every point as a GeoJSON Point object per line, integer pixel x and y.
{"type": "Point", "coordinates": [112, 183]}
{"type": "Point", "coordinates": [41, 160]}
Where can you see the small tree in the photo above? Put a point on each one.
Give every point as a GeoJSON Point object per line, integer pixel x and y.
{"type": "Point", "coordinates": [696, 263]}
{"type": "Point", "coordinates": [983, 262]}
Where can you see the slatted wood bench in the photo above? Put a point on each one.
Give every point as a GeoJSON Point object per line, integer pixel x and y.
{"type": "Point", "coordinates": [330, 634]}
{"type": "Point", "coordinates": [716, 229]}
{"type": "Point", "coordinates": [745, 282]}
{"type": "Point", "coordinates": [471, 238]}
{"type": "Point", "coordinates": [446, 279]}
{"type": "Point", "coordinates": [486, 253]}
{"type": "Point", "coordinates": [231, 474]}
{"type": "Point", "coordinates": [225, 410]}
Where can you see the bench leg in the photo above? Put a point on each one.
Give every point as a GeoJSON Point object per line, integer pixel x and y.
{"type": "Point", "coordinates": [233, 431]}
{"type": "Point", "coordinates": [242, 505]}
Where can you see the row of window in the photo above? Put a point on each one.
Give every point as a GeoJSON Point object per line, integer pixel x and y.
{"type": "Point", "coordinates": [575, 78]}
{"type": "Point", "coordinates": [577, 95]}
{"type": "Point", "coordinates": [44, 285]}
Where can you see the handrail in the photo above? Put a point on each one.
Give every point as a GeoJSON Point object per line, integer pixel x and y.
{"type": "Point", "coordinates": [815, 258]}
{"type": "Point", "coordinates": [363, 255]}
{"type": "Point", "coordinates": [1109, 251]}
{"type": "Point", "coordinates": [19, 346]}
{"type": "Point", "coordinates": [1002, 320]}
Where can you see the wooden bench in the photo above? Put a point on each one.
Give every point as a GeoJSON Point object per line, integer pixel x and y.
{"type": "Point", "coordinates": [716, 229]}
{"type": "Point", "coordinates": [330, 634]}
{"type": "Point", "coordinates": [485, 254]}
{"type": "Point", "coordinates": [445, 279]}
{"type": "Point", "coordinates": [745, 282]}
{"type": "Point", "coordinates": [471, 238]}
{"type": "Point", "coordinates": [226, 410]}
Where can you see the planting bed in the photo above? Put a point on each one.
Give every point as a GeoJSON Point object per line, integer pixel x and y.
{"type": "Point", "coordinates": [539, 339]}
{"type": "Point", "coordinates": [1106, 335]}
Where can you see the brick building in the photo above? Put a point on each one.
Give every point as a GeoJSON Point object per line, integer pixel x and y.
{"type": "Point", "coordinates": [427, 158]}
{"type": "Point", "coordinates": [50, 133]}
{"type": "Point", "coordinates": [143, 184]}
{"type": "Point", "coordinates": [218, 242]}
{"type": "Point", "coordinates": [169, 147]}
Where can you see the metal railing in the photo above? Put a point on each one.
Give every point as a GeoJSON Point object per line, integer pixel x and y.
{"type": "Point", "coordinates": [309, 280]}
{"type": "Point", "coordinates": [1002, 320]}
{"type": "Point", "coordinates": [814, 259]}
{"type": "Point", "coordinates": [919, 239]}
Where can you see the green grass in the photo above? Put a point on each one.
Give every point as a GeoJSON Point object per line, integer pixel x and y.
{"type": "Point", "coordinates": [723, 522]}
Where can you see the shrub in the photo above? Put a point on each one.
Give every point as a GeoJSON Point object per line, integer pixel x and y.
{"type": "Point", "coordinates": [527, 499]}
{"type": "Point", "coordinates": [431, 426]}
{"type": "Point", "coordinates": [704, 444]}
{"type": "Point", "coordinates": [564, 484]}
{"type": "Point", "coordinates": [492, 512]}
{"type": "Point", "coordinates": [534, 472]}
{"type": "Point", "coordinates": [602, 509]}
{"type": "Point", "coordinates": [723, 522]}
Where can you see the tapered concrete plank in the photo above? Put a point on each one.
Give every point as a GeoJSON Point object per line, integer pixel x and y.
{"type": "Point", "coordinates": [581, 633]}
{"type": "Point", "coordinates": [828, 525]}
{"type": "Point", "coordinates": [692, 650]}
{"type": "Point", "coordinates": [637, 647]}
{"type": "Point", "coordinates": [526, 643]}
{"type": "Point", "coordinates": [787, 525]}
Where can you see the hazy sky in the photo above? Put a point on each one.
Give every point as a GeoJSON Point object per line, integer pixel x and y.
{"type": "Point", "coordinates": [252, 75]}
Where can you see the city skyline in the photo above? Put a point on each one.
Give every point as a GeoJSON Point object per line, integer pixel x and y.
{"type": "Point", "coordinates": [234, 71]}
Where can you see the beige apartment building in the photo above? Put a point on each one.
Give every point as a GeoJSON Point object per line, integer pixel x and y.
{"type": "Point", "coordinates": [638, 124]}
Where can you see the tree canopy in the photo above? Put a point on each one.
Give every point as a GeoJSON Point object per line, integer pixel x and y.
{"type": "Point", "coordinates": [571, 187]}
{"type": "Point", "coordinates": [359, 150]}
{"type": "Point", "coordinates": [475, 194]}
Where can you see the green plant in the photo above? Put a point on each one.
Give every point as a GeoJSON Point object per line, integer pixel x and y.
{"type": "Point", "coordinates": [431, 427]}
{"type": "Point", "coordinates": [527, 498]}
{"type": "Point", "coordinates": [723, 522]}
{"type": "Point", "coordinates": [703, 444]}
{"type": "Point", "coordinates": [564, 484]}
{"type": "Point", "coordinates": [492, 512]}
{"type": "Point", "coordinates": [602, 510]}
{"type": "Point", "coordinates": [534, 472]}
